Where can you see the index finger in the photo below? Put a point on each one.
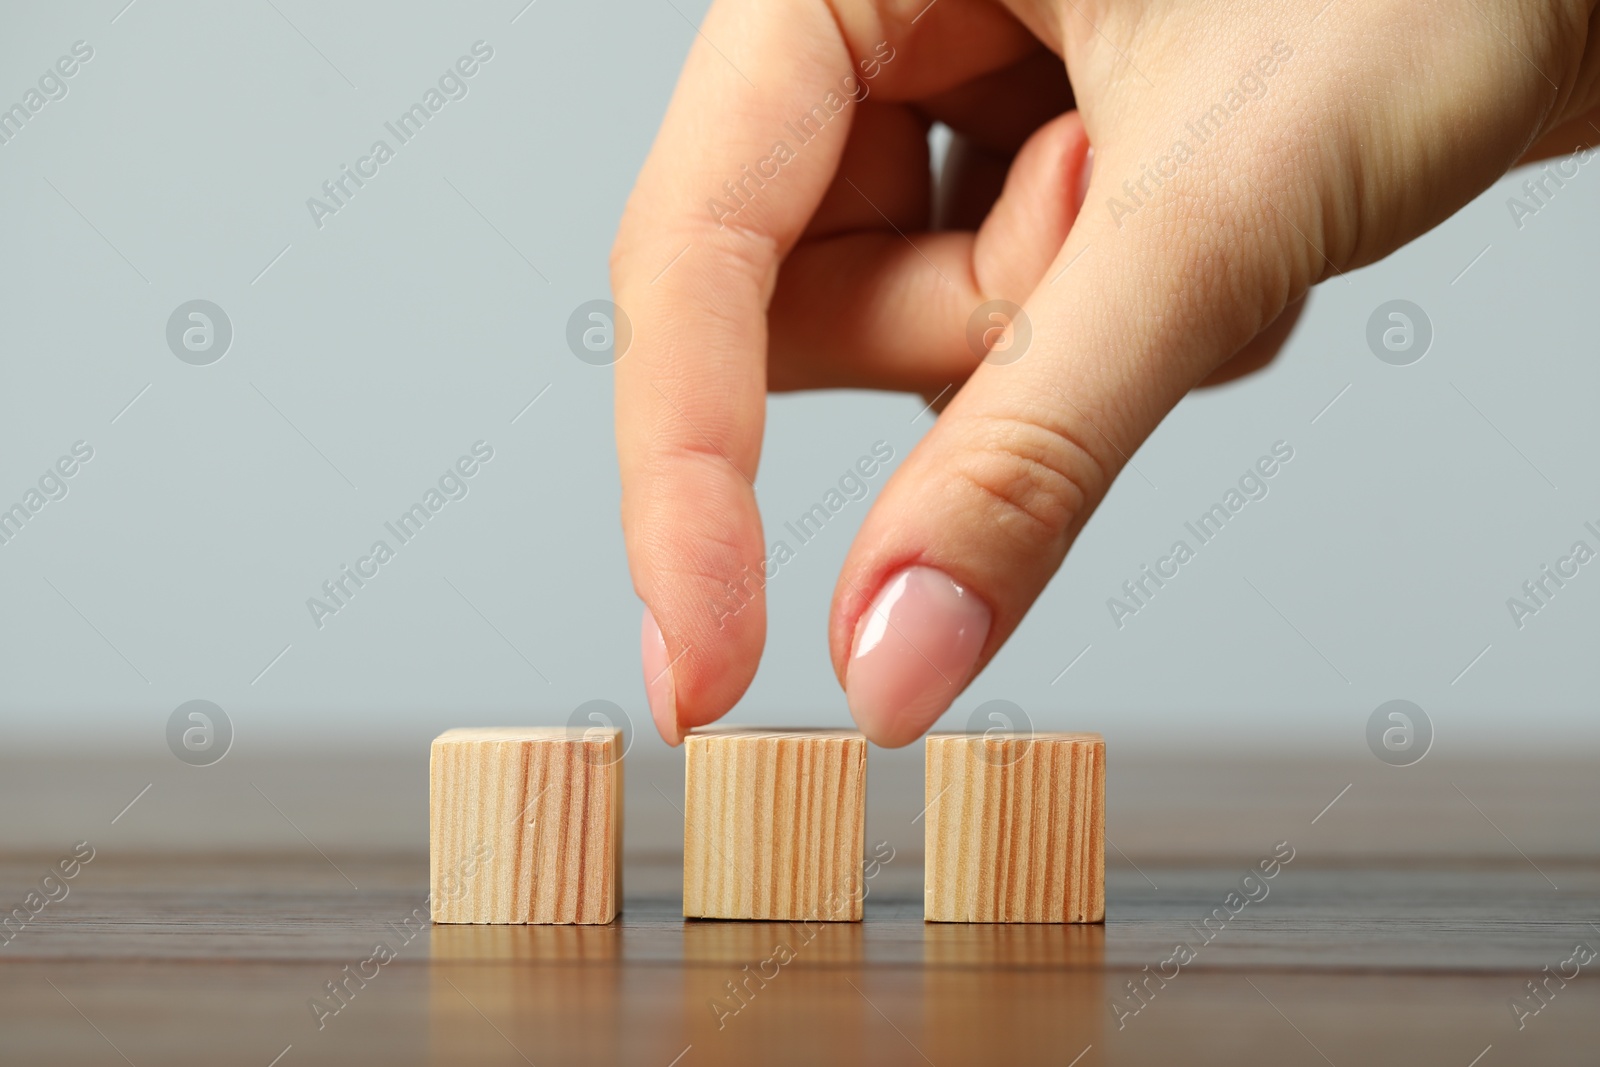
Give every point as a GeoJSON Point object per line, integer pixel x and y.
{"type": "Point", "coordinates": [749, 145]}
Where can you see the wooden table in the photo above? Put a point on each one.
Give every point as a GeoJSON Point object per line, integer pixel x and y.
{"type": "Point", "coordinates": [220, 904]}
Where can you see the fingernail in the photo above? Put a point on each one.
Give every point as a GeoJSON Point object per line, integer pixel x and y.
{"type": "Point", "coordinates": [1084, 176]}
{"type": "Point", "coordinates": [914, 649]}
{"type": "Point", "coordinates": [658, 679]}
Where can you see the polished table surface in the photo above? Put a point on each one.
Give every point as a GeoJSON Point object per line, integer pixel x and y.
{"type": "Point", "coordinates": [1418, 904]}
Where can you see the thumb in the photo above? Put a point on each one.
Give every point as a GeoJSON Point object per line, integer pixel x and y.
{"type": "Point", "coordinates": [1135, 311]}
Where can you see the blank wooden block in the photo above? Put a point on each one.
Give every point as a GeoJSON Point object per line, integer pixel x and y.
{"type": "Point", "coordinates": [774, 824]}
{"type": "Point", "coordinates": [1016, 828]}
{"type": "Point", "coordinates": [525, 825]}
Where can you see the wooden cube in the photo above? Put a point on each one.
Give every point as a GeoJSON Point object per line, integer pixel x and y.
{"type": "Point", "coordinates": [1015, 828]}
{"type": "Point", "coordinates": [525, 825]}
{"type": "Point", "coordinates": [774, 824]}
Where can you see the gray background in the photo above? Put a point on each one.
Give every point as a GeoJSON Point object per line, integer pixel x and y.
{"type": "Point", "coordinates": [426, 315]}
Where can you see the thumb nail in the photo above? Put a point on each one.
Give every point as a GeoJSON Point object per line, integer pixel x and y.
{"type": "Point", "coordinates": [658, 679]}
{"type": "Point", "coordinates": [914, 650]}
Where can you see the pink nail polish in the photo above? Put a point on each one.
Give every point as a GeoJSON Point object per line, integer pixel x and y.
{"type": "Point", "coordinates": [1084, 175]}
{"type": "Point", "coordinates": [658, 679]}
{"type": "Point", "coordinates": [914, 649]}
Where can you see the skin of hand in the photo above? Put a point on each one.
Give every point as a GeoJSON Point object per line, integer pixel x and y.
{"type": "Point", "coordinates": [1243, 150]}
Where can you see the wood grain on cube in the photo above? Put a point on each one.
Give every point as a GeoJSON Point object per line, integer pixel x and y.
{"type": "Point", "coordinates": [525, 825]}
{"type": "Point", "coordinates": [774, 824]}
{"type": "Point", "coordinates": [1015, 828]}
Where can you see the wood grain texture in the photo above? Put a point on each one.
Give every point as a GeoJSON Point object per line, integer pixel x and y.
{"type": "Point", "coordinates": [1408, 954]}
{"type": "Point", "coordinates": [525, 825]}
{"type": "Point", "coordinates": [774, 823]}
{"type": "Point", "coordinates": [1015, 828]}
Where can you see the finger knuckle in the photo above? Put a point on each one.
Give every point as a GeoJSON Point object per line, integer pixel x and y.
{"type": "Point", "coordinates": [1038, 477]}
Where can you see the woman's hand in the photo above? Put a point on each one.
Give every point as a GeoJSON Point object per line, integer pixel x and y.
{"type": "Point", "coordinates": [784, 234]}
